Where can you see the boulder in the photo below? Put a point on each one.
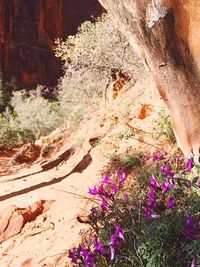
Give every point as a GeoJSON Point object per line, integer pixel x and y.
{"type": "Point", "coordinates": [26, 154]}
{"type": "Point", "coordinates": [13, 219]}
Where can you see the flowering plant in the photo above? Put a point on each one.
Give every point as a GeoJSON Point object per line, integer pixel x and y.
{"type": "Point", "coordinates": [158, 228]}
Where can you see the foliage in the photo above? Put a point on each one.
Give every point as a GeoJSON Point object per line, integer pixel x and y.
{"type": "Point", "coordinates": [165, 126]}
{"type": "Point", "coordinates": [125, 133]}
{"type": "Point", "coordinates": [158, 229]}
{"type": "Point", "coordinates": [92, 59]}
{"type": "Point", "coordinates": [34, 113]}
{"type": "Point", "coordinates": [30, 117]}
{"type": "Point", "coordinates": [4, 96]}
{"type": "Point", "coordinates": [131, 160]}
{"type": "Point", "coordinates": [11, 134]}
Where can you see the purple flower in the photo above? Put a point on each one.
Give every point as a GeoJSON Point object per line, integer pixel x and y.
{"type": "Point", "coordinates": [115, 243]}
{"type": "Point", "coordinates": [154, 183]}
{"type": "Point", "coordinates": [198, 183]}
{"type": "Point", "coordinates": [193, 263]}
{"type": "Point", "coordinates": [98, 247]}
{"type": "Point", "coordinates": [158, 156]}
{"type": "Point", "coordinates": [189, 165]}
{"type": "Point", "coordinates": [164, 168]}
{"type": "Point", "coordinates": [119, 232]}
{"type": "Point", "coordinates": [115, 189]}
{"type": "Point", "coordinates": [165, 186]}
{"type": "Point", "coordinates": [74, 255]}
{"type": "Point", "coordinates": [189, 223]}
{"type": "Point", "coordinates": [152, 194]}
{"type": "Point", "coordinates": [100, 191]}
{"type": "Point", "coordinates": [106, 179]}
{"type": "Point", "coordinates": [122, 177]}
{"type": "Point", "coordinates": [190, 228]}
{"type": "Point", "coordinates": [171, 203]}
{"type": "Point", "coordinates": [166, 171]}
{"type": "Point", "coordinates": [87, 257]}
{"type": "Point", "coordinates": [93, 191]}
{"type": "Point", "coordinates": [149, 214]}
{"type": "Point", "coordinates": [151, 203]}
{"type": "Point", "coordinates": [104, 203]}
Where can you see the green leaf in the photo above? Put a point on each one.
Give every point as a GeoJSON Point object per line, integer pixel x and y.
{"type": "Point", "coordinates": [195, 179]}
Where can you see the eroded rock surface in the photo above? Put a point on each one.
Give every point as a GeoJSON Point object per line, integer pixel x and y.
{"type": "Point", "coordinates": [27, 33]}
{"type": "Point", "coordinates": [13, 219]}
{"type": "Point", "coordinates": [26, 154]}
{"type": "Point", "coordinates": [165, 33]}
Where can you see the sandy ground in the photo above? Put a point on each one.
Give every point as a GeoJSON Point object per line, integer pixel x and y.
{"type": "Point", "coordinates": [45, 241]}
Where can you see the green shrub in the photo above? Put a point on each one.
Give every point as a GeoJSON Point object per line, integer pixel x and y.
{"type": "Point", "coordinates": [11, 135]}
{"type": "Point", "coordinates": [92, 58]}
{"type": "Point", "coordinates": [165, 126]}
{"type": "Point", "coordinates": [124, 133]}
{"type": "Point", "coordinates": [131, 161]}
{"type": "Point", "coordinates": [160, 228]}
{"type": "Point", "coordinates": [34, 113]}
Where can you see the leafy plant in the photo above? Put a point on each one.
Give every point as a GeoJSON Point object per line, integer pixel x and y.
{"type": "Point", "coordinates": [11, 135]}
{"type": "Point", "coordinates": [131, 160]}
{"type": "Point", "coordinates": [34, 113]}
{"type": "Point", "coordinates": [124, 133]}
{"type": "Point", "coordinates": [92, 59]}
{"type": "Point", "coordinates": [165, 126]}
{"type": "Point", "coordinates": [160, 228]}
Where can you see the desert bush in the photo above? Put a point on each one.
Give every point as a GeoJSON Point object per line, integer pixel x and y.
{"type": "Point", "coordinates": [11, 134]}
{"type": "Point", "coordinates": [92, 58]}
{"type": "Point", "coordinates": [124, 133]}
{"type": "Point", "coordinates": [34, 113]}
{"type": "Point", "coordinates": [165, 126]}
{"type": "Point", "coordinates": [160, 228]}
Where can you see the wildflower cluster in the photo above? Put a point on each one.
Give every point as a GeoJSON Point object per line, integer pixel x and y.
{"type": "Point", "coordinates": [98, 250]}
{"type": "Point", "coordinates": [158, 228]}
{"type": "Point", "coordinates": [162, 189]}
{"type": "Point", "coordinates": [108, 189]}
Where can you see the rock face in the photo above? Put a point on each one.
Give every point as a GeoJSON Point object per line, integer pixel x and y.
{"type": "Point", "coordinates": [166, 34]}
{"type": "Point", "coordinates": [27, 153]}
{"type": "Point", "coordinates": [27, 33]}
{"type": "Point", "coordinates": [13, 219]}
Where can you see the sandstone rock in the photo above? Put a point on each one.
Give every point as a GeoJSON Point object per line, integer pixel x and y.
{"type": "Point", "coordinates": [27, 153]}
{"type": "Point", "coordinates": [144, 111]}
{"type": "Point", "coordinates": [26, 58]}
{"type": "Point", "coordinates": [13, 219]}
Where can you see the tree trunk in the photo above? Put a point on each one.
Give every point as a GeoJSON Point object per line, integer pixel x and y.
{"type": "Point", "coordinates": [166, 34]}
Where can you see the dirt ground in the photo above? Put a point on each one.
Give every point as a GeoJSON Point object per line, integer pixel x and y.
{"type": "Point", "coordinates": [45, 239]}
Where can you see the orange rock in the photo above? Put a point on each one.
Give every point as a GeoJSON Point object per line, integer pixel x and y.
{"type": "Point", "coordinates": [5, 215]}
{"type": "Point", "coordinates": [27, 153]}
{"type": "Point", "coordinates": [29, 58]}
{"type": "Point", "coordinates": [13, 219]}
{"type": "Point", "coordinates": [144, 111]}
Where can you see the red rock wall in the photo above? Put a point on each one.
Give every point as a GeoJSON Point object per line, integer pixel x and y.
{"type": "Point", "coordinates": [27, 32]}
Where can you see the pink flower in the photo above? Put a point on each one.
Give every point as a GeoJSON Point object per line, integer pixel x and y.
{"type": "Point", "coordinates": [189, 165]}
{"type": "Point", "coordinates": [165, 186]}
{"type": "Point", "coordinates": [171, 203]}
{"type": "Point", "coordinates": [154, 183]}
